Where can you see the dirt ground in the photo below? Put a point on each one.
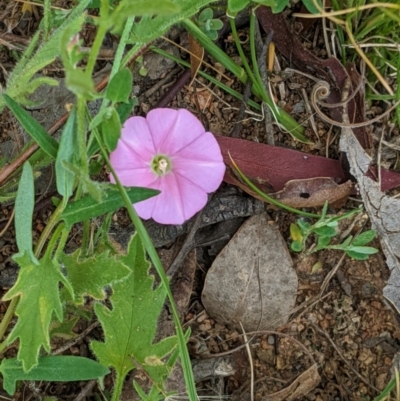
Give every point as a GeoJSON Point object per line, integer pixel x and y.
{"type": "Point", "coordinates": [341, 337]}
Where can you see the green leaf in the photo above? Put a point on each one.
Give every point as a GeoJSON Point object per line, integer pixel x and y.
{"type": "Point", "coordinates": [150, 28]}
{"type": "Point", "coordinates": [68, 152]}
{"type": "Point", "coordinates": [296, 246]}
{"type": "Point", "coordinates": [235, 6]}
{"type": "Point", "coordinates": [276, 6]}
{"type": "Point", "coordinates": [20, 82]}
{"type": "Point", "coordinates": [216, 24]}
{"type": "Point", "coordinates": [309, 5]}
{"type": "Point", "coordinates": [64, 329]}
{"type": "Point", "coordinates": [24, 204]}
{"type": "Point", "coordinates": [367, 250]}
{"type": "Point", "coordinates": [38, 289]}
{"type": "Point", "coordinates": [295, 232]}
{"type": "Point", "coordinates": [62, 368]}
{"type": "Point", "coordinates": [130, 326]}
{"type": "Point", "coordinates": [205, 15]}
{"type": "Point", "coordinates": [33, 128]}
{"type": "Point", "coordinates": [124, 110]}
{"type": "Point", "coordinates": [325, 231]}
{"type": "Point", "coordinates": [356, 255]}
{"type": "Point", "coordinates": [364, 238]}
{"type": "Point", "coordinates": [304, 226]}
{"type": "Point", "coordinates": [78, 82]}
{"type": "Point", "coordinates": [94, 188]}
{"type": "Point", "coordinates": [120, 86]}
{"type": "Point", "coordinates": [323, 242]}
{"type": "Point", "coordinates": [89, 276]}
{"type": "Point", "coordinates": [111, 130]}
{"type": "Point", "coordinates": [86, 208]}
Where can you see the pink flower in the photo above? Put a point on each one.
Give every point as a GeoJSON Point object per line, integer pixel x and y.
{"type": "Point", "coordinates": [168, 150]}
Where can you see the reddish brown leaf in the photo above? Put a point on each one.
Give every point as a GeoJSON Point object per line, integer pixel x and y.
{"type": "Point", "coordinates": [276, 165]}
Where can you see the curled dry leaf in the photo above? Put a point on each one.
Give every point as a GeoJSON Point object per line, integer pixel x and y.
{"type": "Point", "coordinates": [384, 211]}
{"type": "Point", "coordinates": [313, 192]}
{"type": "Point", "coordinates": [252, 280]}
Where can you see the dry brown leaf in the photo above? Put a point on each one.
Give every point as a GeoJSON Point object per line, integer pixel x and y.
{"type": "Point", "coordinates": [196, 56]}
{"type": "Point", "coordinates": [313, 192]}
{"type": "Point", "coordinates": [306, 382]}
{"type": "Point", "coordinates": [252, 280]}
{"type": "Point", "coordinates": [383, 210]}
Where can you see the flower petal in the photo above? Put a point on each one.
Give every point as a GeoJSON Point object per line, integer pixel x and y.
{"type": "Point", "coordinates": [201, 163]}
{"type": "Point", "coordinates": [125, 158]}
{"type": "Point", "coordinates": [173, 130]}
{"type": "Point", "coordinates": [137, 136]}
{"type": "Point", "coordinates": [178, 201]}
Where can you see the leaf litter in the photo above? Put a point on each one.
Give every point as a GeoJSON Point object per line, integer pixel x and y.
{"type": "Point", "coordinates": [353, 322]}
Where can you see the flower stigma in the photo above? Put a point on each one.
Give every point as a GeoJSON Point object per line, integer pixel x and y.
{"type": "Point", "coordinates": [161, 165]}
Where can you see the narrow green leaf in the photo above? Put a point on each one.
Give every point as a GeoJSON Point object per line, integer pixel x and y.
{"type": "Point", "coordinates": [367, 250]}
{"type": "Point", "coordinates": [62, 368]}
{"type": "Point", "coordinates": [364, 238]}
{"type": "Point", "coordinates": [67, 152]}
{"type": "Point", "coordinates": [130, 326]}
{"type": "Point", "coordinates": [111, 130]}
{"type": "Point", "coordinates": [120, 86]}
{"type": "Point", "coordinates": [33, 128]}
{"type": "Point", "coordinates": [90, 276]}
{"type": "Point", "coordinates": [24, 204]}
{"type": "Point", "coordinates": [86, 208]}
{"type": "Point", "coordinates": [38, 289]}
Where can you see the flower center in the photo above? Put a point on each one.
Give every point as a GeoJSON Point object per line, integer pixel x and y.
{"type": "Point", "coordinates": [161, 165]}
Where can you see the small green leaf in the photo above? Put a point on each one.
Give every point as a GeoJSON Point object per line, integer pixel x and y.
{"type": "Point", "coordinates": [64, 329]}
{"type": "Point", "coordinates": [38, 289]}
{"type": "Point", "coordinates": [62, 368]}
{"type": "Point", "coordinates": [124, 110]}
{"type": "Point", "coordinates": [33, 128]}
{"type": "Point", "coordinates": [325, 231]}
{"type": "Point", "coordinates": [295, 233]}
{"type": "Point", "coordinates": [91, 275]}
{"type": "Point", "coordinates": [276, 6]}
{"type": "Point", "coordinates": [309, 5]}
{"type": "Point", "coordinates": [304, 226]}
{"type": "Point", "coordinates": [24, 204]}
{"type": "Point", "coordinates": [356, 255]}
{"type": "Point", "coordinates": [120, 86]}
{"type": "Point", "coordinates": [296, 246]}
{"type": "Point", "coordinates": [316, 267]}
{"type": "Point", "coordinates": [67, 152]}
{"type": "Point", "coordinates": [79, 84]}
{"type": "Point", "coordinates": [364, 238]}
{"type": "Point", "coordinates": [111, 129]}
{"type": "Point", "coordinates": [86, 208]}
{"type": "Point", "coordinates": [216, 24]}
{"type": "Point", "coordinates": [206, 15]}
{"type": "Point", "coordinates": [235, 6]}
{"type": "Point", "coordinates": [323, 242]}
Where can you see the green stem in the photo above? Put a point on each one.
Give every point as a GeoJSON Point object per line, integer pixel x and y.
{"type": "Point", "coordinates": [95, 50]}
{"type": "Point", "coordinates": [118, 386]}
{"type": "Point", "coordinates": [243, 56]}
{"type": "Point", "coordinates": [81, 134]}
